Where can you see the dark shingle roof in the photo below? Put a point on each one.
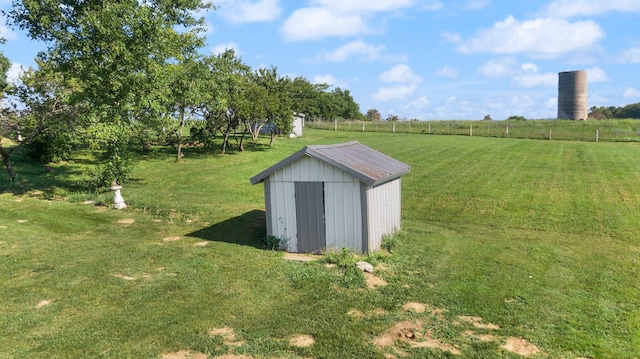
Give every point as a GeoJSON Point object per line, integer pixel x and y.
{"type": "Point", "coordinates": [364, 163]}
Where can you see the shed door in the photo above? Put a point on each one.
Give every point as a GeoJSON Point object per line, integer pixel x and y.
{"type": "Point", "coordinates": [310, 216]}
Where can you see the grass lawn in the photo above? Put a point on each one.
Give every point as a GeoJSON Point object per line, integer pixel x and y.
{"type": "Point", "coordinates": [509, 245]}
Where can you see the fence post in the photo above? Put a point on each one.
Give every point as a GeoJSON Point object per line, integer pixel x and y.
{"type": "Point", "coordinates": [362, 126]}
{"type": "Point", "coordinates": [470, 130]}
{"type": "Point", "coordinates": [549, 134]}
{"type": "Point", "coordinates": [429, 127]}
{"type": "Point", "coordinates": [394, 127]}
{"type": "Point", "coordinates": [507, 132]}
{"type": "Point", "coordinates": [597, 133]}
{"type": "Point", "coordinates": [335, 125]}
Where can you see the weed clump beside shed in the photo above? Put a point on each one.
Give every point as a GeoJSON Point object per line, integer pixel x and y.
{"type": "Point", "coordinates": [336, 196]}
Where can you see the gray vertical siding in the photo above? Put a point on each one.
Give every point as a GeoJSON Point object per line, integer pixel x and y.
{"type": "Point", "coordinates": [383, 211]}
{"type": "Point", "coordinates": [343, 215]}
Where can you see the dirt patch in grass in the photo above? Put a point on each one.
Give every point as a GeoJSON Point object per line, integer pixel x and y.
{"type": "Point", "coordinates": [414, 334]}
{"type": "Point", "coordinates": [477, 322]}
{"type": "Point", "coordinates": [3, 227]}
{"type": "Point", "coordinates": [44, 303]}
{"type": "Point", "coordinates": [22, 221]}
{"type": "Point", "coordinates": [183, 354]}
{"type": "Point", "coordinates": [301, 341]}
{"type": "Point", "coordinates": [520, 347]}
{"type": "Point", "coordinates": [300, 257]}
{"type": "Point", "coordinates": [200, 244]}
{"type": "Point", "coordinates": [373, 281]}
{"type": "Point", "coordinates": [416, 307]}
{"type": "Point", "coordinates": [125, 277]}
{"type": "Point", "coordinates": [126, 221]}
{"type": "Point", "coordinates": [171, 239]}
{"type": "Point", "coordinates": [228, 336]}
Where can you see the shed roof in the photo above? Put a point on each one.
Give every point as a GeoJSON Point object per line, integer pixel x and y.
{"type": "Point", "coordinates": [364, 163]}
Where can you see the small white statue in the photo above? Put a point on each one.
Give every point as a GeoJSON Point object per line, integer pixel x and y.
{"type": "Point", "coordinates": [118, 201]}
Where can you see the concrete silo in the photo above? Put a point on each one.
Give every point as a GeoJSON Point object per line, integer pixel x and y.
{"type": "Point", "coordinates": [572, 95]}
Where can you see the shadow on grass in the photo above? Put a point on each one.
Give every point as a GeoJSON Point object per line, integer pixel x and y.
{"type": "Point", "coordinates": [190, 151]}
{"type": "Point", "coordinates": [248, 229]}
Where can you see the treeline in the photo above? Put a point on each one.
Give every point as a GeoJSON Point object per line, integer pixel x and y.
{"type": "Point", "coordinates": [121, 72]}
{"type": "Point", "coordinates": [613, 112]}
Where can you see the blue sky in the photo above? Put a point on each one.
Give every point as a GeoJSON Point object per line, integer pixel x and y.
{"type": "Point", "coordinates": [430, 59]}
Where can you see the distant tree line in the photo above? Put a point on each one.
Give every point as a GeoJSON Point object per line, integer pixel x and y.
{"type": "Point", "coordinates": [121, 72]}
{"type": "Point", "coordinates": [613, 112]}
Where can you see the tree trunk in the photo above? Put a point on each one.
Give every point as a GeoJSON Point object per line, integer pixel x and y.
{"type": "Point", "coordinates": [179, 155]}
{"type": "Point", "coordinates": [7, 163]}
{"type": "Point", "coordinates": [225, 139]}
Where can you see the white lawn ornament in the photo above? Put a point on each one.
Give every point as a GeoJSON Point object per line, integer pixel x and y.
{"type": "Point", "coordinates": [118, 201]}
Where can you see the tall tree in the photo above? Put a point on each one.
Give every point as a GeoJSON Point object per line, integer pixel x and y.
{"type": "Point", "coordinates": [116, 49]}
{"type": "Point", "coordinates": [44, 98]}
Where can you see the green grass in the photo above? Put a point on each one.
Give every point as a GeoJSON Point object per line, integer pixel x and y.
{"type": "Point", "coordinates": [537, 237]}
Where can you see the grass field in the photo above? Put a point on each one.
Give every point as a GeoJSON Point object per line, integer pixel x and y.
{"type": "Point", "coordinates": [507, 241]}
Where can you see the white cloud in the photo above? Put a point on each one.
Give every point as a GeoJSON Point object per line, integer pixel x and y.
{"type": "Point", "coordinates": [551, 103]}
{"type": "Point", "coordinates": [498, 67]}
{"type": "Point", "coordinates": [394, 92]}
{"type": "Point", "coordinates": [572, 8]}
{"type": "Point", "coordinates": [448, 71]}
{"type": "Point", "coordinates": [14, 72]}
{"type": "Point", "coordinates": [355, 48]}
{"type": "Point", "coordinates": [596, 74]}
{"type": "Point", "coordinates": [325, 18]}
{"type": "Point", "coordinates": [544, 37]}
{"type": "Point", "coordinates": [632, 55]}
{"type": "Point", "coordinates": [535, 80]}
{"type": "Point", "coordinates": [7, 33]}
{"type": "Point", "coordinates": [317, 23]}
{"type": "Point", "coordinates": [432, 5]}
{"type": "Point", "coordinates": [324, 79]}
{"type": "Point", "coordinates": [222, 47]}
{"type": "Point", "coordinates": [418, 104]}
{"type": "Point", "coordinates": [630, 92]}
{"type": "Point", "coordinates": [529, 67]}
{"type": "Point", "coordinates": [364, 5]}
{"type": "Point", "coordinates": [400, 74]}
{"type": "Point", "coordinates": [243, 11]}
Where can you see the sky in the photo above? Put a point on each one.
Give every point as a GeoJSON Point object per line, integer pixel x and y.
{"type": "Point", "coordinates": [428, 59]}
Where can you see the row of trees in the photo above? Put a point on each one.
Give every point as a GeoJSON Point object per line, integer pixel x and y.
{"type": "Point", "coordinates": [114, 71]}
{"type": "Point", "coordinates": [613, 112]}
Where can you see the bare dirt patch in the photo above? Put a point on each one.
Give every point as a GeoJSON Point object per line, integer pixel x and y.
{"type": "Point", "coordinates": [228, 336]}
{"type": "Point", "coordinates": [413, 334]}
{"type": "Point", "coordinates": [43, 303]}
{"type": "Point", "coordinates": [200, 244]}
{"type": "Point", "coordinates": [301, 341]}
{"type": "Point", "coordinates": [126, 221]}
{"type": "Point", "coordinates": [374, 281]}
{"type": "Point", "coordinates": [3, 227]}
{"type": "Point", "coordinates": [520, 346]}
{"type": "Point", "coordinates": [477, 322]}
{"type": "Point", "coordinates": [299, 257]}
{"type": "Point", "coordinates": [22, 221]}
{"type": "Point", "coordinates": [171, 239]}
{"type": "Point", "coordinates": [183, 354]}
{"type": "Point", "coordinates": [233, 356]}
{"type": "Point", "coordinates": [125, 277]}
{"type": "Point", "coordinates": [416, 307]}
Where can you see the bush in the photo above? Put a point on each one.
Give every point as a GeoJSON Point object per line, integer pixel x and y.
{"type": "Point", "coordinates": [52, 148]}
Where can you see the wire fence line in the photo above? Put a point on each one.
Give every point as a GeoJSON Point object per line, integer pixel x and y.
{"type": "Point", "coordinates": [567, 130]}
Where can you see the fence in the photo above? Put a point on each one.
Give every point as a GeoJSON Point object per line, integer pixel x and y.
{"type": "Point", "coordinates": [591, 131]}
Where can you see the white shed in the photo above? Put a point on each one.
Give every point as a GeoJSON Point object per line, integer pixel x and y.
{"type": "Point", "coordinates": [333, 196]}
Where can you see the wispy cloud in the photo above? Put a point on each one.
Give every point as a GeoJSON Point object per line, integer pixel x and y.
{"type": "Point", "coordinates": [245, 11]}
{"type": "Point", "coordinates": [542, 37]}
{"type": "Point", "coordinates": [574, 8]}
